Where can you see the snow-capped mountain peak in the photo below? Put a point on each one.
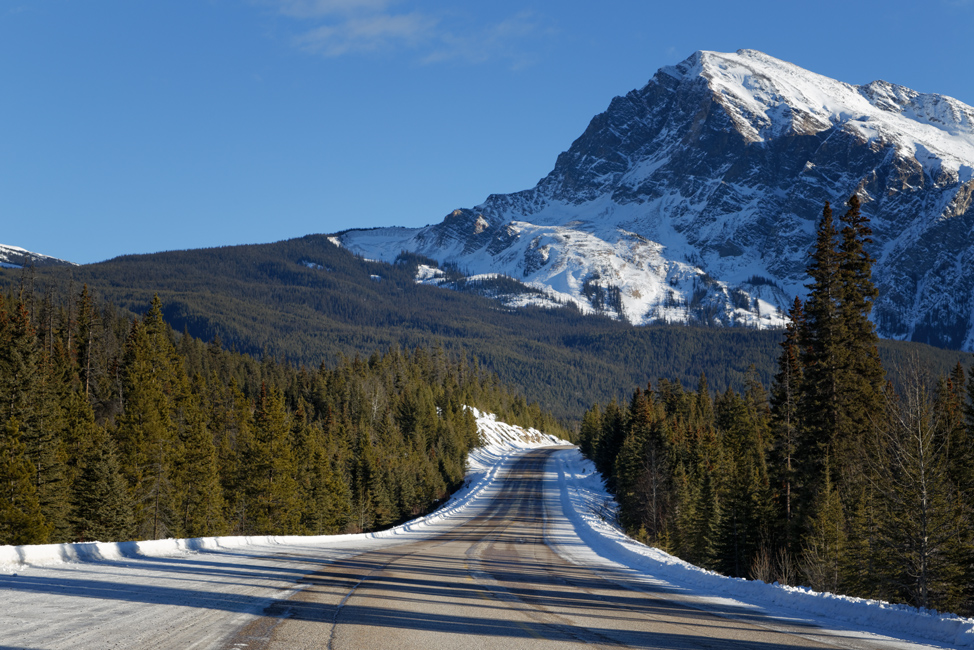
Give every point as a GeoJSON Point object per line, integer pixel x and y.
{"type": "Point", "coordinates": [696, 197]}
{"type": "Point", "coordinates": [768, 97]}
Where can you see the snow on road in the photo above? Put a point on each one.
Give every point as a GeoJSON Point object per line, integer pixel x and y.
{"type": "Point", "coordinates": [193, 593]}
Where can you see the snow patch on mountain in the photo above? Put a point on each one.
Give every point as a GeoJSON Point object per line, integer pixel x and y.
{"type": "Point", "coordinates": [696, 199]}
{"type": "Point", "coordinates": [15, 257]}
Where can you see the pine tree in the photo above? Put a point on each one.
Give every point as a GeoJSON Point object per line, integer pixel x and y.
{"type": "Point", "coordinates": [785, 423]}
{"type": "Point", "coordinates": [952, 409]}
{"type": "Point", "coordinates": [642, 472]}
{"type": "Point", "coordinates": [824, 553]}
{"type": "Point", "coordinates": [962, 475]}
{"type": "Point", "coordinates": [102, 510]}
{"type": "Point", "coordinates": [610, 441]}
{"type": "Point", "coordinates": [842, 386]}
{"type": "Point", "coordinates": [30, 398]}
{"type": "Point", "coordinates": [154, 382]}
{"type": "Point", "coordinates": [85, 340]}
{"type": "Point", "coordinates": [707, 514]}
{"type": "Point", "coordinates": [21, 521]}
{"type": "Point", "coordinates": [199, 505]}
{"type": "Point", "coordinates": [863, 376]}
{"type": "Point", "coordinates": [825, 355]}
{"type": "Point", "coordinates": [590, 431]}
{"type": "Point", "coordinates": [269, 470]}
{"type": "Point", "coordinates": [745, 497]}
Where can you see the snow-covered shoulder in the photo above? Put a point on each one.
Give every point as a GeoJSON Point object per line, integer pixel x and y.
{"type": "Point", "coordinates": [580, 508]}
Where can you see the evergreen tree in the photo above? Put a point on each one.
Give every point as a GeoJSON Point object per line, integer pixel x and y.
{"type": "Point", "coordinates": [269, 471]}
{"type": "Point", "coordinates": [610, 441]}
{"type": "Point", "coordinates": [643, 475]}
{"type": "Point", "coordinates": [590, 431]}
{"type": "Point", "coordinates": [153, 383]}
{"type": "Point", "coordinates": [199, 505]}
{"type": "Point", "coordinates": [706, 518]}
{"type": "Point", "coordinates": [745, 498]}
{"type": "Point", "coordinates": [863, 376]}
{"type": "Point", "coordinates": [85, 340]}
{"type": "Point", "coordinates": [21, 521]}
{"type": "Point", "coordinates": [785, 423]}
{"type": "Point", "coordinates": [841, 395]}
{"type": "Point", "coordinates": [101, 510]}
{"type": "Point", "coordinates": [31, 399]}
{"type": "Point", "coordinates": [824, 553]}
{"type": "Point", "coordinates": [825, 355]}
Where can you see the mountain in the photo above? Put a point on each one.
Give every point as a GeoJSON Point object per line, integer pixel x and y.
{"type": "Point", "coordinates": [13, 257]}
{"type": "Point", "coordinates": [696, 198]}
{"type": "Point", "coordinates": [310, 302]}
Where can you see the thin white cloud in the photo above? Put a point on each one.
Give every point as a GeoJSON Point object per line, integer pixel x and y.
{"type": "Point", "coordinates": [373, 33]}
{"type": "Point", "coordinates": [503, 40]}
{"type": "Point", "coordinates": [344, 27]}
{"type": "Point", "coordinates": [319, 8]}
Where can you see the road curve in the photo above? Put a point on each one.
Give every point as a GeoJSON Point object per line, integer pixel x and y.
{"type": "Point", "coordinates": [493, 582]}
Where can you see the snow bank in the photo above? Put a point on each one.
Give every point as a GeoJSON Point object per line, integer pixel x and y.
{"type": "Point", "coordinates": [579, 525]}
{"type": "Point", "coordinates": [494, 433]}
{"type": "Point", "coordinates": [591, 511]}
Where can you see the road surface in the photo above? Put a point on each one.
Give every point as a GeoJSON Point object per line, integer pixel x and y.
{"type": "Point", "coordinates": [494, 582]}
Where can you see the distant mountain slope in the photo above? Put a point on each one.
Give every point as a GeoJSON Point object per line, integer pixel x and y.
{"type": "Point", "coordinates": [695, 199]}
{"type": "Point", "coordinates": [14, 257]}
{"type": "Point", "coordinates": [308, 301]}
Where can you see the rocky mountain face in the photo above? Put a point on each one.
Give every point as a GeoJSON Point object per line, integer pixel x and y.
{"type": "Point", "coordinates": [696, 198]}
{"type": "Point", "coordinates": [14, 257]}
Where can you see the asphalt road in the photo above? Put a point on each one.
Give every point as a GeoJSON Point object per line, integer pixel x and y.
{"type": "Point", "coordinates": [493, 582]}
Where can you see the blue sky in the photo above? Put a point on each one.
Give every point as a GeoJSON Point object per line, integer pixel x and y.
{"type": "Point", "coordinates": [132, 126]}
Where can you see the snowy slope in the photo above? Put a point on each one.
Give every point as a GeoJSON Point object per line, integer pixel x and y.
{"type": "Point", "coordinates": [696, 198]}
{"type": "Point", "coordinates": [14, 257]}
{"type": "Point", "coordinates": [194, 592]}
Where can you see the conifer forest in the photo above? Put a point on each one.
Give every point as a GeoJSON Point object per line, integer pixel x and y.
{"type": "Point", "coordinates": [836, 477]}
{"type": "Point", "coordinates": [849, 468]}
{"type": "Point", "coordinates": [114, 428]}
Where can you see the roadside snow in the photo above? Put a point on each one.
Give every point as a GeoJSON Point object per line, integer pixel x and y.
{"type": "Point", "coordinates": [196, 591]}
{"type": "Point", "coordinates": [589, 516]}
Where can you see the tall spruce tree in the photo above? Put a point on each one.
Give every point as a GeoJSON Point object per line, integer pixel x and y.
{"type": "Point", "coordinates": [30, 397]}
{"type": "Point", "coordinates": [199, 505]}
{"type": "Point", "coordinates": [863, 376]}
{"type": "Point", "coordinates": [785, 424]}
{"type": "Point", "coordinates": [825, 354]}
{"type": "Point", "coordinates": [153, 383]}
{"type": "Point", "coordinates": [745, 497]}
{"type": "Point", "coordinates": [842, 386]}
{"type": "Point", "coordinates": [85, 340]}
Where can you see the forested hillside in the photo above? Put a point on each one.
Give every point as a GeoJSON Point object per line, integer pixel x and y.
{"type": "Point", "coordinates": [115, 428]}
{"type": "Point", "coordinates": [308, 301]}
{"type": "Point", "coordinates": [836, 477]}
